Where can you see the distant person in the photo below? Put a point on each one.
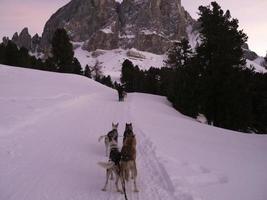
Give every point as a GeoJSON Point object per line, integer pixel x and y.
{"type": "Point", "coordinates": [121, 92]}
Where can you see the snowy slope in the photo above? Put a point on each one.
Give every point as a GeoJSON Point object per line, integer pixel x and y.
{"type": "Point", "coordinates": [111, 60]}
{"type": "Point", "coordinates": [256, 65]}
{"type": "Point", "coordinates": [50, 123]}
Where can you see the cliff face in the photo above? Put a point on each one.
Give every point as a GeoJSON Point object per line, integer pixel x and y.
{"type": "Point", "coordinates": [148, 25]}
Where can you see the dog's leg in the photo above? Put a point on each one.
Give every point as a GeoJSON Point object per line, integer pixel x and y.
{"type": "Point", "coordinates": [117, 181]}
{"type": "Point", "coordinates": [107, 177]}
{"type": "Point", "coordinates": [135, 187]}
{"type": "Point", "coordinates": [134, 175]}
{"type": "Point", "coordinates": [111, 175]}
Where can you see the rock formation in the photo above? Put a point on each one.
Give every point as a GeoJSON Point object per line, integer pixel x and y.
{"type": "Point", "coordinates": [24, 39]}
{"type": "Point", "coordinates": [148, 25]}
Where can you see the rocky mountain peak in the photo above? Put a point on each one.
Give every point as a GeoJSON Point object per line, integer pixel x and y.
{"type": "Point", "coordinates": [24, 39]}
{"type": "Point", "coordinates": [148, 25]}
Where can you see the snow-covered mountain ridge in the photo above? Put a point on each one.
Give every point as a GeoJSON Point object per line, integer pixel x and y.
{"type": "Point", "coordinates": [50, 124]}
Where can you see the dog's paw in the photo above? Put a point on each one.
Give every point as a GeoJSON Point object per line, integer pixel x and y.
{"type": "Point", "coordinates": [104, 189]}
{"type": "Point", "coordinates": [136, 190]}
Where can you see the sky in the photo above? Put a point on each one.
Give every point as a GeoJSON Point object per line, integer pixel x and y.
{"type": "Point", "coordinates": [252, 15]}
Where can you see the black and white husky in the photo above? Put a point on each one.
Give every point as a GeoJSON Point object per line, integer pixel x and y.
{"type": "Point", "coordinates": [113, 165]}
{"type": "Point", "coordinates": [111, 135]}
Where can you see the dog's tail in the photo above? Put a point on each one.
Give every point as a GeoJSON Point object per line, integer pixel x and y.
{"type": "Point", "coordinates": [101, 137]}
{"type": "Point", "coordinates": [106, 165]}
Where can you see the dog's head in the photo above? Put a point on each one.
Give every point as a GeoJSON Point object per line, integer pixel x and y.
{"type": "Point", "coordinates": [129, 127]}
{"type": "Point", "coordinates": [115, 126]}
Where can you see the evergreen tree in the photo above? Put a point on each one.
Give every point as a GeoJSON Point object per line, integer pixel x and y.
{"type": "Point", "coordinates": [183, 88]}
{"type": "Point", "coordinates": [11, 54]}
{"type": "Point", "coordinates": [179, 54]}
{"type": "Point", "coordinates": [87, 72]}
{"type": "Point", "coordinates": [219, 57]}
{"type": "Point", "coordinates": [2, 53]}
{"type": "Point", "coordinates": [128, 75]}
{"type": "Point", "coordinates": [50, 65]}
{"type": "Point", "coordinates": [24, 59]}
{"type": "Point", "coordinates": [259, 102]}
{"type": "Point", "coordinates": [62, 51]}
{"type": "Point", "coordinates": [76, 67]}
{"type": "Point", "coordinates": [106, 80]}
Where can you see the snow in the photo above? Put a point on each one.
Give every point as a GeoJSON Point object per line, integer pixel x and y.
{"type": "Point", "coordinates": [193, 37]}
{"type": "Point", "coordinates": [259, 60]}
{"type": "Point", "coordinates": [49, 129]}
{"type": "Point", "coordinates": [258, 67]}
{"type": "Point", "coordinates": [111, 60]}
{"type": "Point", "coordinates": [119, 1]}
{"type": "Point", "coordinates": [107, 30]}
{"type": "Point", "coordinates": [149, 32]}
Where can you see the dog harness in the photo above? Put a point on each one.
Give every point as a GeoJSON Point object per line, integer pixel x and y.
{"type": "Point", "coordinates": [113, 135]}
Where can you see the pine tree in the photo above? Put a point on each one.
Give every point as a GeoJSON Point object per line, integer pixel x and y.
{"type": "Point", "coordinates": [24, 60]}
{"type": "Point", "coordinates": [128, 75]}
{"type": "Point", "coordinates": [224, 98]}
{"type": "Point", "coordinates": [182, 91]}
{"type": "Point", "coordinates": [11, 54]}
{"type": "Point", "coordinates": [87, 72]}
{"type": "Point", "coordinates": [2, 53]}
{"type": "Point", "coordinates": [76, 67]}
{"type": "Point", "coordinates": [62, 51]}
{"type": "Point", "coordinates": [179, 54]}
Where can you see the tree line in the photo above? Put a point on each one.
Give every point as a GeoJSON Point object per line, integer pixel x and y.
{"type": "Point", "coordinates": [61, 59]}
{"type": "Point", "coordinates": [212, 80]}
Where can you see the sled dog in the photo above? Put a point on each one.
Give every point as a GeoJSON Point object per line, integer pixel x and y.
{"type": "Point", "coordinates": [113, 165]}
{"type": "Point", "coordinates": [113, 134]}
{"type": "Point", "coordinates": [128, 156]}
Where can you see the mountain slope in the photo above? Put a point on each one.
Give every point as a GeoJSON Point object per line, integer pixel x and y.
{"type": "Point", "coordinates": [50, 123]}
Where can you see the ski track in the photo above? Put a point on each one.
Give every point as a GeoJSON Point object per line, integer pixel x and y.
{"type": "Point", "coordinates": [153, 180]}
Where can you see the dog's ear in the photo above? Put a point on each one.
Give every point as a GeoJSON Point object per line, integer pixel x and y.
{"type": "Point", "coordinates": [117, 125]}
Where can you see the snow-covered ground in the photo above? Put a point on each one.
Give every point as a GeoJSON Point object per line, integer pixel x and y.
{"type": "Point", "coordinates": [111, 60]}
{"type": "Point", "coordinates": [50, 124]}
{"type": "Point", "coordinates": [256, 65]}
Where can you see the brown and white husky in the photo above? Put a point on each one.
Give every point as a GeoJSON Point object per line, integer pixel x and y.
{"type": "Point", "coordinates": [128, 156]}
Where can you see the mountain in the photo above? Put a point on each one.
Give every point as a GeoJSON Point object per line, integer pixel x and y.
{"type": "Point", "coordinates": [147, 25]}
{"type": "Point", "coordinates": [24, 39]}
{"type": "Point", "coordinates": [49, 129]}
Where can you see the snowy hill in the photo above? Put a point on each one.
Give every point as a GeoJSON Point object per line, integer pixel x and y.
{"type": "Point", "coordinates": [111, 60]}
{"type": "Point", "coordinates": [50, 123]}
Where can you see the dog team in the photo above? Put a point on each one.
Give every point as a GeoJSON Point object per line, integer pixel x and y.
{"type": "Point", "coordinates": [121, 163]}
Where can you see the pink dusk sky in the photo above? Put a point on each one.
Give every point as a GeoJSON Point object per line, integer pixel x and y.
{"type": "Point", "coordinates": [252, 15]}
